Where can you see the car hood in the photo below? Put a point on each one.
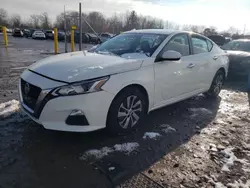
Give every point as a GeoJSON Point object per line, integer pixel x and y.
{"type": "Point", "coordinates": [82, 65]}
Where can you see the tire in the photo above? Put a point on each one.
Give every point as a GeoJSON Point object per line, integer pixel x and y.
{"type": "Point", "coordinates": [216, 85]}
{"type": "Point", "coordinates": [127, 111]}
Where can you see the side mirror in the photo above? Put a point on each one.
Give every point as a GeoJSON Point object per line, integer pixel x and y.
{"type": "Point", "coordinates": [171, 56]}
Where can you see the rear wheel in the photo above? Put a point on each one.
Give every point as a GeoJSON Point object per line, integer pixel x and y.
{"type": "Point", "coordinates": [217, 84]}
{"type": "Point", "coordinates": [127, 111]}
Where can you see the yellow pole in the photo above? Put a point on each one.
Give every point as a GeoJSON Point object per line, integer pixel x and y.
{"type": "Point", "coordinates": [72, 41]}
{"type": "Point", "coordinates": [56, 40]}
{"type": "Point", "coordinates": [5, 38]}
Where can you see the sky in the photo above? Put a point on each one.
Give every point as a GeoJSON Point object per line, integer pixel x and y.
{"type": "Point", "coordinates": [219, 13]}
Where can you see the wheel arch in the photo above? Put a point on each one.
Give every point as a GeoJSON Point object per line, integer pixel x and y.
{"type": "Point", "coordinates": [223, 70]}
{"type": "Point", "coordinates": [140, 87]}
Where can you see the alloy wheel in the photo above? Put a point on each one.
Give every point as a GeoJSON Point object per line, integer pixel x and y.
{"type": "Point", "coordinates": [129, 111]}
{"type": "Point", "coordinates": [218, 83]}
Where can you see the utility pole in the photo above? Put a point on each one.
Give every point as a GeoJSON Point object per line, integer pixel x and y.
{"type": "Point", "coordinates": [244, 30]}
{"type": "Point", "coordinates": [65, 32]}
{"type": "Point", "coordinates": [80, 26]}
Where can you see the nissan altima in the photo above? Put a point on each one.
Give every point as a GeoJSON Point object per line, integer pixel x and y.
{"type": "Point", "coordinates": [118, 83]}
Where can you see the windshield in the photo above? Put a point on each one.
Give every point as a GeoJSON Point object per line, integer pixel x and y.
{"type": "Point", "coordinates": [145, 43]}
{"type": "Point", "coordinates": [237, 46]}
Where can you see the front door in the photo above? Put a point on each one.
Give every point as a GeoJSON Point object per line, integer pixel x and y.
{"type": "Point", "coordinates": [175, 79]}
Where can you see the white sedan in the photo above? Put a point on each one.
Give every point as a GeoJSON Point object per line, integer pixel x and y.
{"type": "Point", "coordinates": [38, 35]}
{"type": "Point", "coordinates": [116, 85]}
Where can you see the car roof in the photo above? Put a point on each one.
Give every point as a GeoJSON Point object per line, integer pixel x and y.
{"type": "Point", "coordinates": [156, 31]}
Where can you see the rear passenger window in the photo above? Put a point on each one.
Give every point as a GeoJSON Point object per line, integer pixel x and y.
{"type": "Point", "coordinates": [200, 45]}
{"type": "Point", "coordinates": [209, 45]}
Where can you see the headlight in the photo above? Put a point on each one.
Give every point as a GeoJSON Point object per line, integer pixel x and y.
{"type": "Point", "coordinates": [81, 87]}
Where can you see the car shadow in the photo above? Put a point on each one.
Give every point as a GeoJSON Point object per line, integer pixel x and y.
{"type": "Point", "coordinates": [54, 157]}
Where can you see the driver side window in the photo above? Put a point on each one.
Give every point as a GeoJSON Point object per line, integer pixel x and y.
{"type": "Point", "coordinates": [178, 43]}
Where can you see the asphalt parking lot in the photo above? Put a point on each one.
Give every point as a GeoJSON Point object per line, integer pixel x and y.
{"type": "Point", "coordinates": [177, 146]}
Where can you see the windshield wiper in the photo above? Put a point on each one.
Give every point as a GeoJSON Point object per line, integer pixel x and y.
{"type": "Point", "coordinates": [107, 53]}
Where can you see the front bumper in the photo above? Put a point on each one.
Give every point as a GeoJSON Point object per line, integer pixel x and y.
{"type": "Point", "coordinates": [53, 112]}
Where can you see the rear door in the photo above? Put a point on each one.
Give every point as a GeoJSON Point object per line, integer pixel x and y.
{"type": "Point", "coordinates": [203, 60]}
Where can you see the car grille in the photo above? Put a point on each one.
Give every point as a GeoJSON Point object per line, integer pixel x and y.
{"type": "Point", "coordinates": [30, 94]}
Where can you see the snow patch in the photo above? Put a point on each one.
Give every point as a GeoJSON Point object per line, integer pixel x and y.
{"type": "Point", "coordinates": [199, 111]}
{"type": "Point", "coordinates": [219, 185]}
{"type": "Point", "coordinates": [167, 128]}
{"type": "Point", "coordinates": [8, 108]}
{"type": "Point", "coordinates": [111, 168]}
{"type": "Point", "coordinates": [151, 135]}
{"type": "Point", "coordinates": [126, 148]}
{"type": "Point", "coordinates": [98, 154]}
{"type": "Point", "coordinates": [10, 112]}
{"type": "Point", "coordinates": [230, 158]}
{"type": "Point", "coordinates": [239, 184]}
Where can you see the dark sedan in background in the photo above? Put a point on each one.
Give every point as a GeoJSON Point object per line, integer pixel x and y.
{"type": "Point", "coordinates": [239, 58]}
{"type": "Point", "coordinates": [17, 33]}
{"type": "Point", "coordinates": [93, 38]}
{"type": "Point", "coordinates": [49, 34]}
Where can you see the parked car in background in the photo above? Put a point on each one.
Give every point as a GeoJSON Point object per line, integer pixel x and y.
{"type": "Point", "coordinates": [218, 39]}
{"type": "Point", "coordinates": [17, 33]}
{"type": "Point", "coordinates": [38, 35]}
{"type": "Point", "coordinates": [27, 33]}
{"type": "Point", "coordinates": [239, 57]}
{"type": "Point", "coordinates": [8, 30]}
{"type": "Point", "coordinates": [124, 79]}
{"type": "Point", "coordinates": [61, 35]}
{"type": "Point", "coordinates": [105, 36]}
{"type": "Point", "coordinates": [49, 34]}
{"type": "Point", "coordinates": [85, 37]}
{"type": "Point", "coordinates": [228, 39]}
{"type": "Point", "coordinates": [93, 38]}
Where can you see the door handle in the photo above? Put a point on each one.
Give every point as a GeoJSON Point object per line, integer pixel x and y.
{"type": "Point", "coordinates": [191, 65]}
{"type": "Point", "coordinates": [215, 57]}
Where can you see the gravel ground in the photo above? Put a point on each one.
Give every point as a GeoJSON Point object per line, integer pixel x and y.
{"type": "Point", "coordinates": [199, 142]}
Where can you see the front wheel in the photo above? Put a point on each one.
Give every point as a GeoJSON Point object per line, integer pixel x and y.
{"type": "Point", "coordinates": [217, 84]}
{"type": "Point", "coordinates": [127, 111]}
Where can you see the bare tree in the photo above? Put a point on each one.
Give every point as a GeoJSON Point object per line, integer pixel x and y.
{"type": "Point", "coordinates": [97, 21]}
{"type": "Point", "coordinates": [35, 20]}
{"type": "Point", "coordinates": [3, 17]}
{"type": "Point", "coordinates": [210, 31]}
{"type": "Point", "coordinates": [15, 20]}
{"type": "Point", "coordinates": [45, 22]}
{"type": "Point", "coordinates": [114, 24]}
{"type": "Point", "coordinates": [232, 30]}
